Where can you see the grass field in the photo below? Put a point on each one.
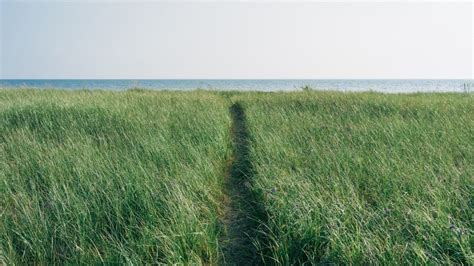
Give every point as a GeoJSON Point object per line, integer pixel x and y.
{"type": "Point", "coordinates": [364, 178]}
{"type": "Point", "coordinates": [96, 177]}
{"type": "Point", "coordinates": [182, 177]}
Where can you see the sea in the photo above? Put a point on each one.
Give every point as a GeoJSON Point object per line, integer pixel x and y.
{"type": "Point", "coordinates": [377, 85]}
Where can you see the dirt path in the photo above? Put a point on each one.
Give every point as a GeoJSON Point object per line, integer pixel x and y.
{"type": "Point", "coordinates": [242, 213]}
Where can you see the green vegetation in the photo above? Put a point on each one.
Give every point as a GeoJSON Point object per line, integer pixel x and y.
{"type": "Point", "coordinates": [211, 177]}
{"type": "Point", "coordinates": [364, 178]}
{"type": "Point", "coordinates": [110, 177]}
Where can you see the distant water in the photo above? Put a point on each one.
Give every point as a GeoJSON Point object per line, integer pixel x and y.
{"type": "Point", "coordinates": [380, 85]}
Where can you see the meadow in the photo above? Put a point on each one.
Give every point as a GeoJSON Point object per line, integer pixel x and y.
{"type": "Point", "coordinates": [104, 177]}
{"type": "Point", "coordinates": [203, 177]}
{"type": "Point", "coordinates": [363, 178]}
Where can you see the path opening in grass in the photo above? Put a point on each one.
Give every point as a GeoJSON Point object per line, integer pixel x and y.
{"type": "Point", "coordinates": [243, 214]}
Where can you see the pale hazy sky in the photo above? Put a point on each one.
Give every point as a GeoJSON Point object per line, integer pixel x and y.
{"type": "Point", "coordinates": [236, 40]}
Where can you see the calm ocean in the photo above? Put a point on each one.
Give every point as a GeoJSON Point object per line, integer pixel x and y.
{"type": "Point", "coordinates": [380, 85]}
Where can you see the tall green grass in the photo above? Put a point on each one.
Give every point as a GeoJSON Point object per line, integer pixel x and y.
{"type": "Point", "coordinates": [111, 177]}
{"type": "Point", "coordinates": [137, 177]}
{"type": "Point", "coordinates": [363, 178]}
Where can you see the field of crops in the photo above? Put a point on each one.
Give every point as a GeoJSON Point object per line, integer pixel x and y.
{"type": "Point", "coordinates": [182, 177]}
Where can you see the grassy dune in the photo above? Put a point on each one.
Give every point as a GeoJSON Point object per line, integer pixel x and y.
{"type": "Point", "coordinates": [179, 178]}
{"type": "Point", "coordinates": [111, 177]}
{"type": "Point", "coordinates": [364, 178]}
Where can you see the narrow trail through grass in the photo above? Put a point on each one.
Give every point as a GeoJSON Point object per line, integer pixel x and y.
{"type": "Point", "coordinates": [242, 214]}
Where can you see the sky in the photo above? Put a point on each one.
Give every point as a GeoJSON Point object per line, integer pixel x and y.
{"type": "Point", "coordinates": [236, 40]}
